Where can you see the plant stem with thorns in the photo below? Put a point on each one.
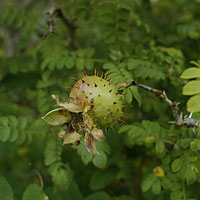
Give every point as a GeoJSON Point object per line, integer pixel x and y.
{"type": "Point", "coordinates": [179, 120]}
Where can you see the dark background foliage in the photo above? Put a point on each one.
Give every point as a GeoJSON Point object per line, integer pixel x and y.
{"type": "Point", "coordinates": [45, 43]}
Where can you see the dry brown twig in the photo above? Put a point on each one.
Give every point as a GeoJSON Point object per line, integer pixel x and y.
{"type": "Point", "coordinates": [179, 119]}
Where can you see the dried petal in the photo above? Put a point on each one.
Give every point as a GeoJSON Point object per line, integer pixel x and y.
{"type": "Point", "coordinates": [61, 134]}
{"type": "Point", "coordinates": [90, 144]}
{"type": "Point", "coordinates": [69, 106]}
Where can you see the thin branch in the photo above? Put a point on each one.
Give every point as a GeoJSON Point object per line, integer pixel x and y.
{"type": "Point", "coordinates": [179, 120]}
{"type": "Point", "coordinates": [57, 12]}
{"type": "Point", "coordinates": [70, 24]}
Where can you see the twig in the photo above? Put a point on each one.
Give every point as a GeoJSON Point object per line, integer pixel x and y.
{"type": "Point", "coordinates": [70, 24]}
{"type": "Point", "coordinates": [57, 12]}
{"type": "Point", "coordinates": [179, 120]}
{"type": "Point", "coordinates": [50, 22]}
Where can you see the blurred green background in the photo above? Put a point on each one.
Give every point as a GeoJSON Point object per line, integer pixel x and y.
{"type": "Point", "coordinates": [43, 44]}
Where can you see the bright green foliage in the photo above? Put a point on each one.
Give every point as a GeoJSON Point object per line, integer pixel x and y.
{"type": "Point", "coordinates": [192, 87]}
{"type": "Point", "coordinates": [193, 104]}
{"type": "Point", "coordinates": [45, 46]}
{"type": "Point", "coordinates": [192, 72]}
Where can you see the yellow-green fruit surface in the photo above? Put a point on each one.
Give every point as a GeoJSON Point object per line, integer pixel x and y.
{"type": "Point", "coordinates": [101, 97]}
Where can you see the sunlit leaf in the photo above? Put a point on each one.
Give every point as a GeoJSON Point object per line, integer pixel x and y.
{"type": "Point", "coordinates": [191, 88]}
{"type": "Point", "coordinates": [193, 104]}
{"type": "Point", "coordinates": [192, 72]}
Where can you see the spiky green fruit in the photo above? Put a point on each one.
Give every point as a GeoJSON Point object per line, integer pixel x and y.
{"type": "Point", "coordinates": [99, 98]}
{"type": "Point", "coordinates": [93, 103]}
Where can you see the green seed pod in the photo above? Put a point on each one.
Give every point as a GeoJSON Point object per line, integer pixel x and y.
{"type": "Point", "coordinates": [93, 103]}
{"type": "Point", "coordinates": [99, 98]}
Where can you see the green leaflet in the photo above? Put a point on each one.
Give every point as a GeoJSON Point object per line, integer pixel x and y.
{"type": "Point", "coordinates": [115, 19]}
{"type": "Point", "coordinates": [177, 164]}
{"type": "Point", "coordinates": [13, 128]}
{"type": "Point", "coordinates": [176, 186]}
{"type": "Point", "coordinates": [4, 133]}
{"type": "Point", "coordinates": [156, 187]}
{"type": "Point", "coordinates": [193, 104]}
{"type": "Point", "coordinates": [148, 182]}
{"type": "Point", "coordinates": [22, 123]}
{"type": "Point", "coordinates": [190, 175]}
{"type": "Point", "coordinates": [3, 121]}
{"type": "Point", "coordinates": [196, 63]}
{"type": "Point", "coordinates": [86, 157]}
{"type": "Point", "coordinates": [160, 146]}
{"type": "Point", "coordinates": [136, 95]}
{"type": "Point", "coordinates": [191, 88]}
{"type": "Point", "coordinates": [61, 175]}
{"type": "Point", "coordinates": [128, 97]}
{"type": "Point", "coordinates": [146, 72]}
{"type": "Point", "coordinates": [70, 63]}
{"type": "Point", "coordinates": [103, 146]}
{"type": "Point", "coordinates": [80, 64]}
{"type": "Point", "coordinates": [192, 72]}
{"type": "Point", "coordinates": [193, 145]}
{"type": "Point", "coordinates": [13, 121]}
{"type": "Point", "coordinates": [176, 195]}
{"type": "Point", "coordinates": [52, 151]}
{"type": "Point", "coordinates": [32, 192]}
{"type": "Point", "coordinates": [100, 160]}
